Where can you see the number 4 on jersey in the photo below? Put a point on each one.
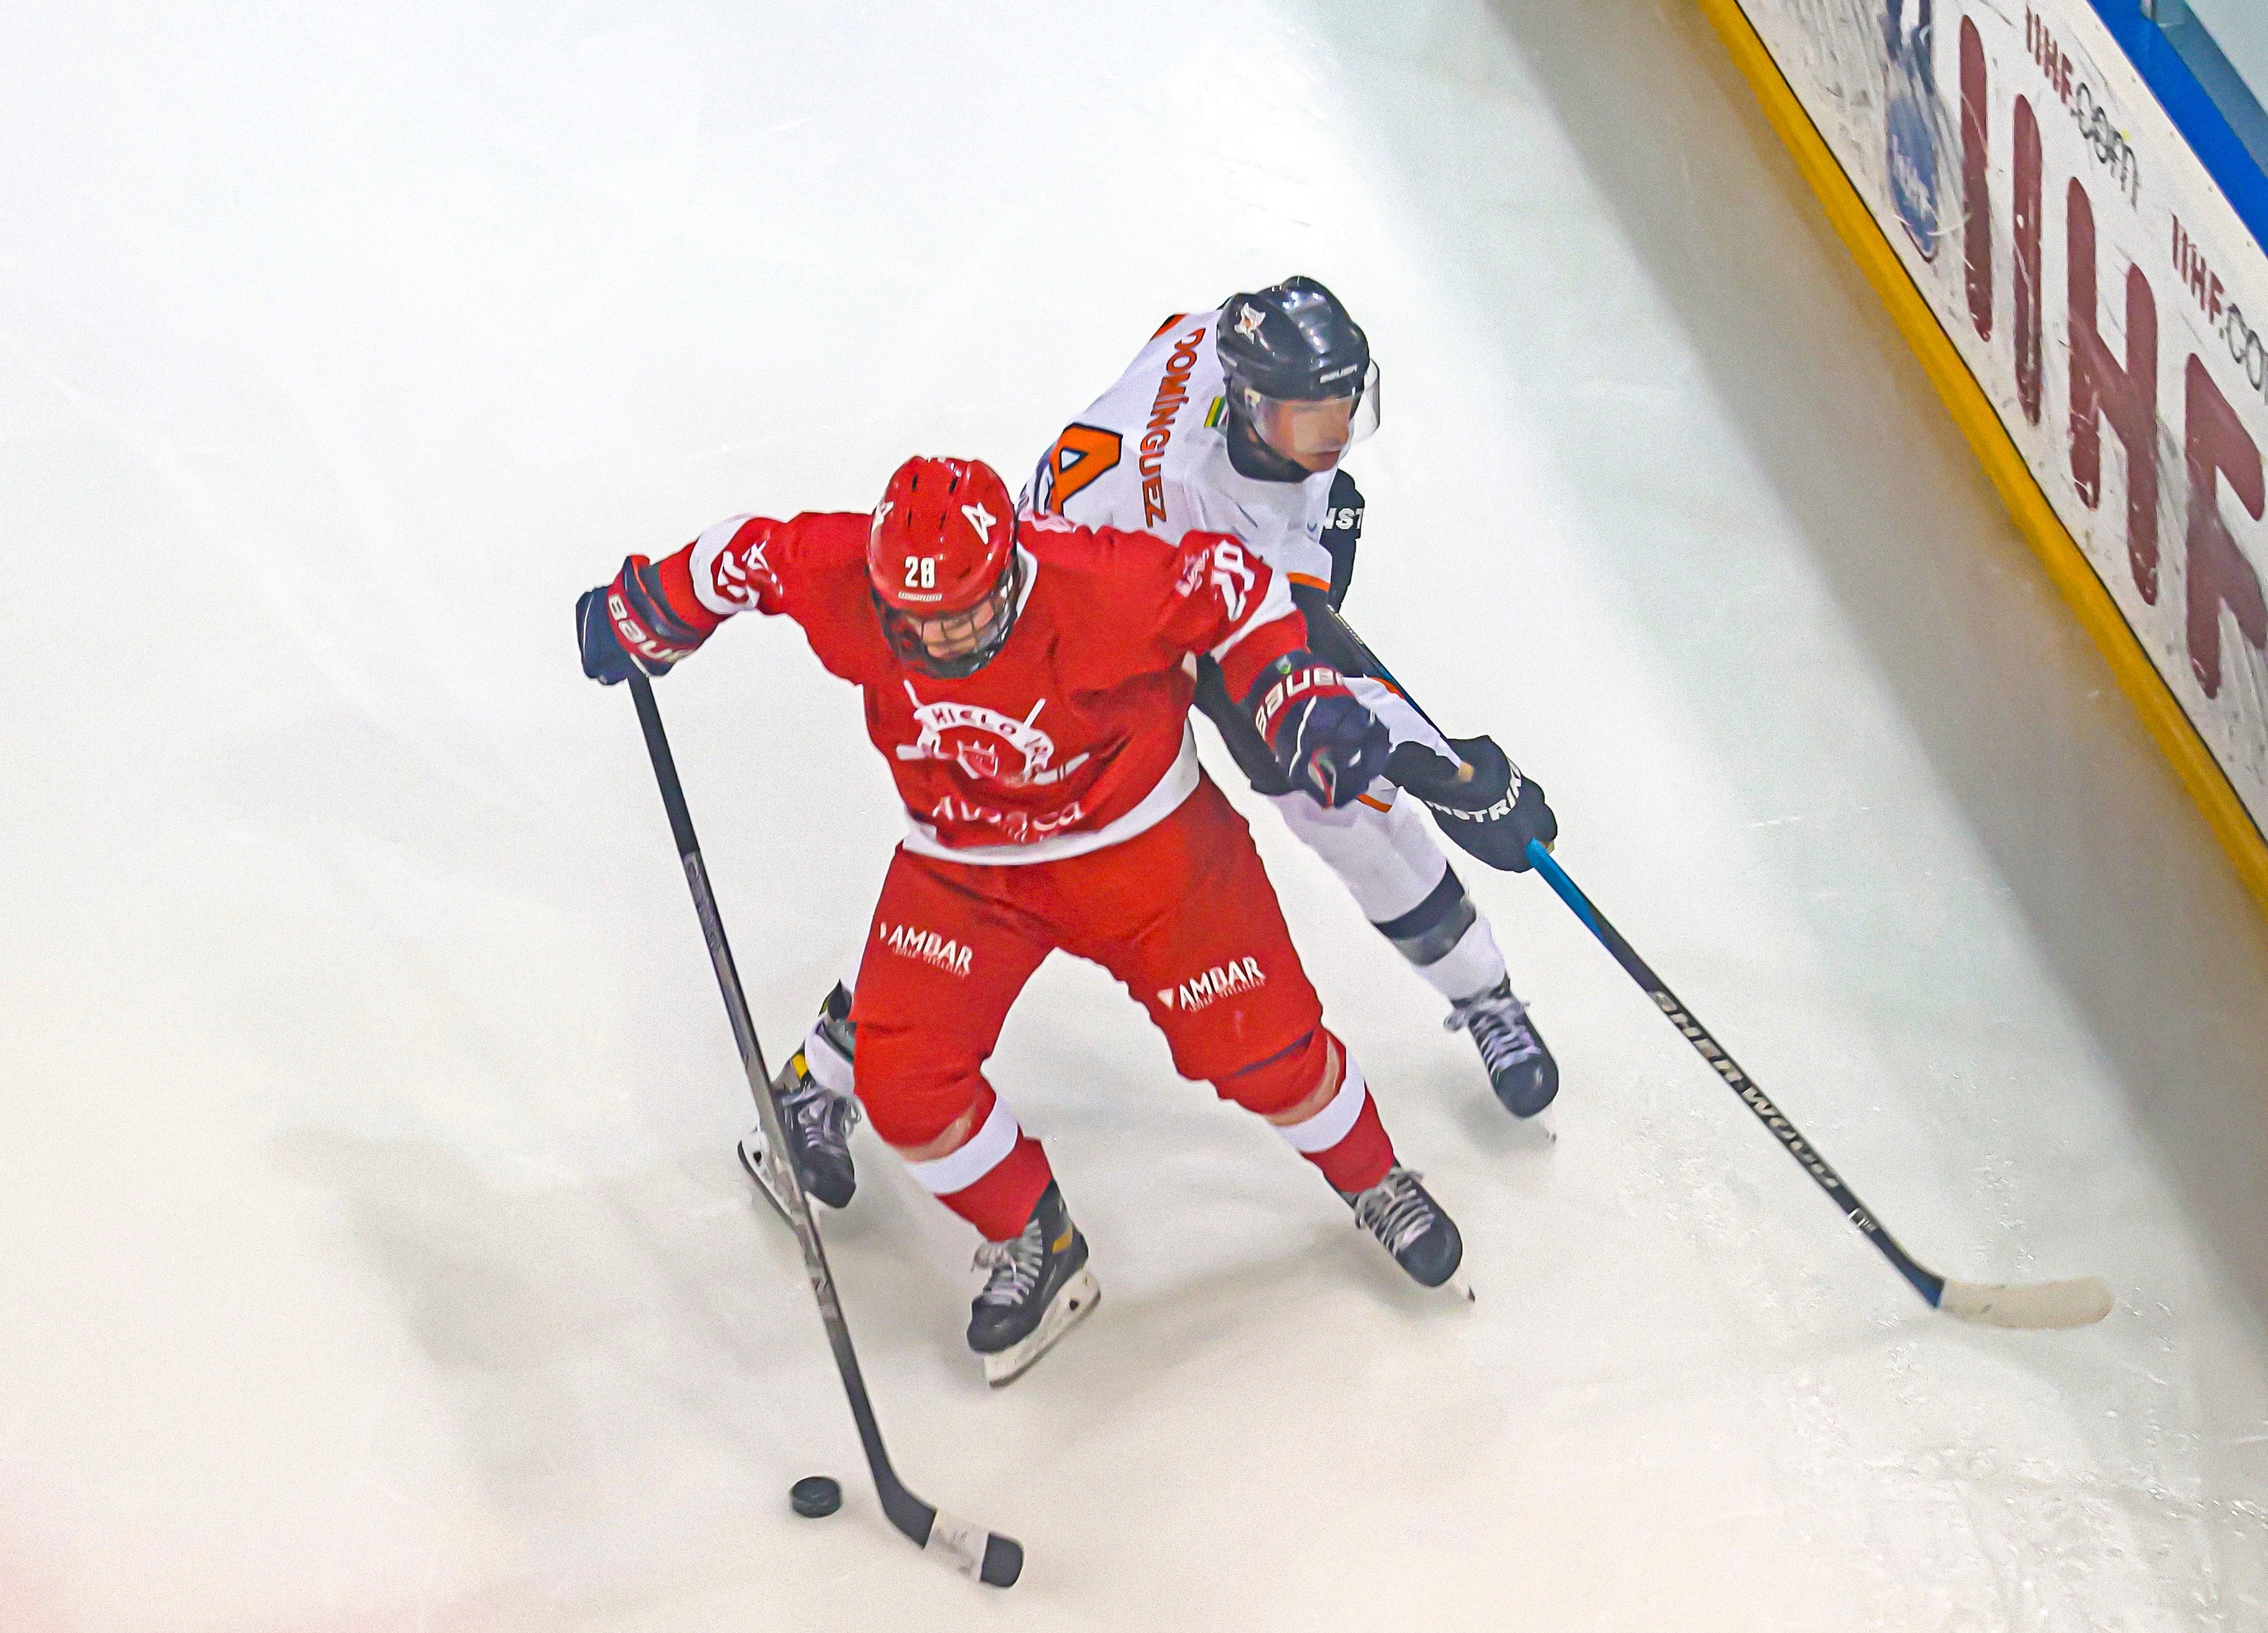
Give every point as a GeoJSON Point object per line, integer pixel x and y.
{"type": "Point", "coordinates": [1082, 453]}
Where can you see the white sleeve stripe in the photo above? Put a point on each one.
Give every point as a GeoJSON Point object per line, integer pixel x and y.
{"type": "Point", "coordinates": [713, 543]}
{"type": "Point", "coordinates": [1273, 605]}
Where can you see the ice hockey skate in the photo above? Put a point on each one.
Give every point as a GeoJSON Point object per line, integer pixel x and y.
{"type": "Point", "coordinates": [1411, 1225]}
{"type": "Point", "coordinates": [1521, 1068]}
{"type": "Point", "coordinates": [1039, 1288]}
{"type": "Point", "coordinates": [818, 1125]}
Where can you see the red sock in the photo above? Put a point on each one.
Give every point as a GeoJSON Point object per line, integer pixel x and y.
{"type": "Point", "coordinates": [1363, 1154]}
{"type": "Point", "coordinates": [1000, 1203]}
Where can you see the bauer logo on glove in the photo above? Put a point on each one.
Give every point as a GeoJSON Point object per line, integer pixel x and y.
{"type": "Point", "coordinates": [630, 621]}
{"type": "Point", "coordinates": [1328, 745]}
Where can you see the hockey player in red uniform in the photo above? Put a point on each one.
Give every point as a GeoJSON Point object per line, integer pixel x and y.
{"type": "Point", "coordinates": [1028, 682]}
{"type": "Point", "coordinates": [1235, 421]}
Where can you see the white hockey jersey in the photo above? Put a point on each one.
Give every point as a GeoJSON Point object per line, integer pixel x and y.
{"type": "Point", "coordinates": [1151, 454]}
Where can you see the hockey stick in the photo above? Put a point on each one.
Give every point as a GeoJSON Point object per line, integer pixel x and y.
{"type": "Point", "coordinates": [2075, 1303]}
{"type": "Point", "coordinates": [2078, 1302]}
{"type": "Point", "coordinates": [986, 1555]}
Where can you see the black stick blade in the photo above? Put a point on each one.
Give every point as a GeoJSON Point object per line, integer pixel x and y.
{"type": "Point", "coordinates": [1004, 1561]}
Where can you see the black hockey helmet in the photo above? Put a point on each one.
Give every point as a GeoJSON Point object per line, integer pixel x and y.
{"type": "Point", "coordinates": [1291, 347]}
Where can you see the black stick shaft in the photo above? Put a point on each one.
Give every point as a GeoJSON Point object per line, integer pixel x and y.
{"type": "Point", "coordinates": [1928, 1284]}
{"type": "Point", "coordinates": [1000, 1558]}
{"type": "Point", "coordinates": [1347, 633]}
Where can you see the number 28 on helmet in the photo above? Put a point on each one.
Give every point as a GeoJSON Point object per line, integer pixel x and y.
{"type": "Point", "coordinates": [941, 561]}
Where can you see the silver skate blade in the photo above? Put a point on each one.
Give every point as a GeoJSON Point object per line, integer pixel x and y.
{"type": "Point", "coordinates": [2049, 1305]}
{"type": "Point", "coordinates": [1073, 1302]}
{"type": "Point", "coordinates": [1460, 1287]}
{"type": "Point", "coordinates": [1541, 1127]}
{"type": "Point", "coordinates": [757, 1165]}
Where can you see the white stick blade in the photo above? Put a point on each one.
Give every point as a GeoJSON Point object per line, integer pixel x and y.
{"type": "Point", "coordinates": [2080, 1302]}
{"type": "Point", "coordinates": [961, 1543]}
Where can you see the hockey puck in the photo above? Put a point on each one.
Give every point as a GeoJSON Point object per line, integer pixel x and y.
{"type": "Point", "coordinates": [815, 1497]}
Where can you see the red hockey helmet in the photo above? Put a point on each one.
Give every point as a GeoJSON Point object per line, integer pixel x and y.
{"type": "Point", "coordinates": [941, 560]}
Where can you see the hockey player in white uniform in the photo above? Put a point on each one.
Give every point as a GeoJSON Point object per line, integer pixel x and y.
{"type": "Point", "coordinates": [1235, 421]}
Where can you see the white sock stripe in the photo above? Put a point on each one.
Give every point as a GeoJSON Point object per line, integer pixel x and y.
{"type": "Point", "coordinates": [957, 1170]}
{"type": "Point", "coordinates": [825, 1063]}
{"type": "Point", "coordinates": [1327, 1127]}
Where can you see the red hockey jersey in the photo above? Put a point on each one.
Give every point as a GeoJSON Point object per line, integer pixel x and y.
{"type": "Point", "coordinates": [1076, 735]}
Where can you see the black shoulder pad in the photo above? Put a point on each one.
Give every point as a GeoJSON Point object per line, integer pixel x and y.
{"type": "Point", "coordinates": [1342, 532]}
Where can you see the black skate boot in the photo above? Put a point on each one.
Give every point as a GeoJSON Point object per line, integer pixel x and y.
{"type": "Point", "coordinates": [1410, 1224]}
{"type": "Point", "coordinates": [818, 1125]}
{"type": "Point", "coordinates": [1040, 1286]}
{"type": "Point", "coordinates": [1520, 1069]}
{"type": "Point", "coordinates": [818, 1121]}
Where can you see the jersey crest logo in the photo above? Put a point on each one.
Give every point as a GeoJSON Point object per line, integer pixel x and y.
{"type": "Point", "coordinates": [982, 520]}
{"type": "Point", "coordinates": [987, 745]}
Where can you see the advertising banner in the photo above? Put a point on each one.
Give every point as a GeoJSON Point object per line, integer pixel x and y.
{"type": "Point", "coordinates": [2099, 286]}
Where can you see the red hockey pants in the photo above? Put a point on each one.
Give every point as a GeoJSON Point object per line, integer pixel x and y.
{"type": "Point", "coordinates": [1183, 914]}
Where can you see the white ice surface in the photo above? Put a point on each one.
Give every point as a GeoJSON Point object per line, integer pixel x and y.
{"type": "Point", "coordinates": [372, 1252]}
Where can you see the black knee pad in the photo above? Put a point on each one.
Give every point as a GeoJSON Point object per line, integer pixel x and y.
{"type": "Point", "coordinates": [1425, 934]}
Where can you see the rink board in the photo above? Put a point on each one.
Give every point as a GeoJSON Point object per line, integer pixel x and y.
{"type": "Point", "coordinates": [2048, 241]}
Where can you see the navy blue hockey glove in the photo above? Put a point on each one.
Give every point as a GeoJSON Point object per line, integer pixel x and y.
{"type": "Point", "coordinates": [1328, 746]}
{"type": "Point", "coordinates": [1489, 810]}
{"type": "Point", "coordinates": [629, 621]}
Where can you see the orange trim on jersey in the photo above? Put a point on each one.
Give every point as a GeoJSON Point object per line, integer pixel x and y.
{"type": "Point", "coordinates": [1376, 805]}
{"type": "Point", "coordinates": [1309, 580]}
{"type": "Point", "coordinates": [1167, 324]}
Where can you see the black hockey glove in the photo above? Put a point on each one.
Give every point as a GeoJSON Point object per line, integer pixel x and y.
{"type": "Point", "coordinates": [1492, 813]}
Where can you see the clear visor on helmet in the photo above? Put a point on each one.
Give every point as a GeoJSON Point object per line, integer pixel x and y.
{"type": "Point", "coordinates": [1317, 432]}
